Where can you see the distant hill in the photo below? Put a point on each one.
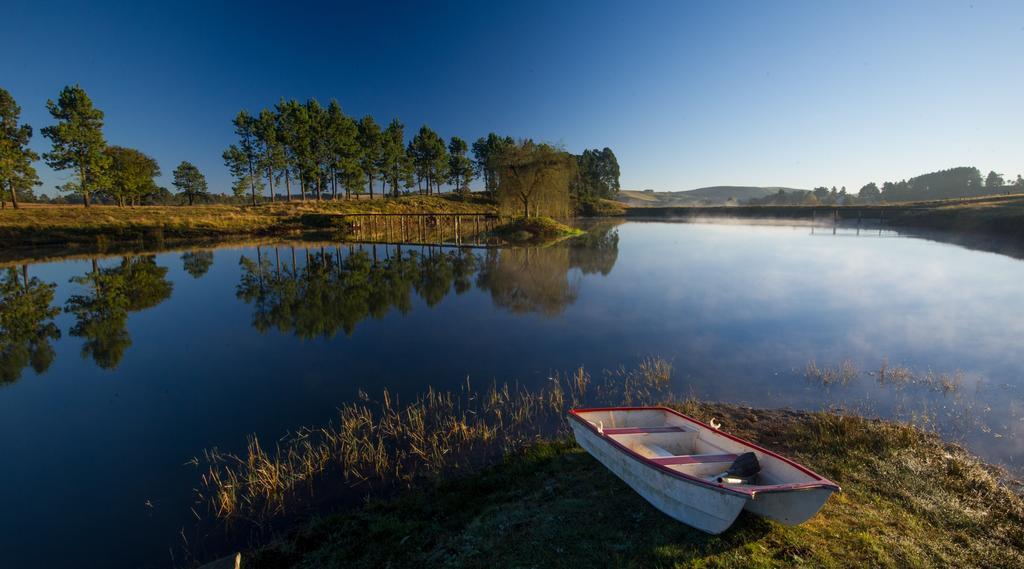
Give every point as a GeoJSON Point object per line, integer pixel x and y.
{"type": "Point", "coordinates": [713, 195]}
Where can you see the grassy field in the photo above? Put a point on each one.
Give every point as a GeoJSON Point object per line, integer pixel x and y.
{"type": "Point", "coordinates": [908, 500]}
{"type": "Point", "coordinates": [37, 225]}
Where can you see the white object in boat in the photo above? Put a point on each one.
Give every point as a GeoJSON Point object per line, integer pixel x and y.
{"type": "Point", "coordinates": [672, 461]}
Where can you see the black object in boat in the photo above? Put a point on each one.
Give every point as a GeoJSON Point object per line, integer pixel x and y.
{"type": "Point", "coordinates": [743, 470]}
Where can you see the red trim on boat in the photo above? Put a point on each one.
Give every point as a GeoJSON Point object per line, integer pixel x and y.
{"type": "Point", "coordinates": [751, 491]}
{"type": "Point", "coordinates": [642, 430]}
{"type": "Point", "coordinates": [693, 459]}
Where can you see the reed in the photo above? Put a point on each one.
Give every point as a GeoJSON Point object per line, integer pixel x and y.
{"type": "Point", "coordinates": [897, 376]}
{"type": "Point", "coordinates": [435, 433]}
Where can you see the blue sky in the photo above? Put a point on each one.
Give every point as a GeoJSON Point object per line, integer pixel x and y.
{"type": "Point", "coordinates": [687, 94]}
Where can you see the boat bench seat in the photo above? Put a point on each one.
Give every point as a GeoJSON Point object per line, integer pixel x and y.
{"type": "Point", "coordinates": [611, 431]}
{"type": "Point", "coordinates": [651, 451]}
{"type": "Point", "coordinates": [693, 459]}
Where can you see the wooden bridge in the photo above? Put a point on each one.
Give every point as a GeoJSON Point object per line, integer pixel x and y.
{"type": "Point", "coordinates": [425, 228]}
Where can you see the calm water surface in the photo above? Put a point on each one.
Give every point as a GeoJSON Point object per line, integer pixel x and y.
{"type": "Point", "coordinates": [159, 357]}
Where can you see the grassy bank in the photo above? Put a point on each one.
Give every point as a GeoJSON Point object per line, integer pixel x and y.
{"type": "Point", "coordinates": [1000, 215]}
{"type": "Point", "coordinates": [534, 229]}
{"type": "Point", "coordinates": [50, 225]}
{"type": "Point", "coordinates": [908, 500]}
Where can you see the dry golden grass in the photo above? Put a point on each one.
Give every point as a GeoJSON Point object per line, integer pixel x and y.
{"type": "Point", "coordinates": [75, 224]}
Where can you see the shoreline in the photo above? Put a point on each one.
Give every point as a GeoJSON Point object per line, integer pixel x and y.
{"type": "Point", "coordinates": [990, 215]}
{"type": "Point", "coordinates": [471, 479]}
{"type": "Point", "coordinates": [37, 232]}
{"type": "Point", "coordinates": [51, 226]}
{"type": "Point", "coordinates": [909, 498]}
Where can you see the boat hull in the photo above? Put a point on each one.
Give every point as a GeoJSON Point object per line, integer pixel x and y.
{"type": "Point", "coordinates": [789, 508]}
{"type": "Point", "coordinates": [701, 507]}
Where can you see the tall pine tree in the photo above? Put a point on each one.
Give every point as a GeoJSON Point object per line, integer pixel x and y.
{"type": "Point", "coordinates": [370, 147]}
{"type": "Point", "coordinates": [190, 181]}
{"type": "Point", "coordinates": [242, 159]}
{"type": "Point", "coordinates": [16, 170]}
{"type": "Point", "coordinates": [397, 168]}
{"type": "Point", "coordinates": [78, 141]}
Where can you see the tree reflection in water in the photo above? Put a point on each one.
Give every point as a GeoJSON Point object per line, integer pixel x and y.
{"type": "Point", "coordinates": [529, 279]}
{"type": "Point", "coordinates": [311, 292]}
{"type": "Point", "coordinates": [315, 292]}
{"type": "Point", "coordinates": [596, 250]}
{"type": "Point", "coordinates": [197, 263]}
{"type": "Point", "coordinates": [26, 324]}
{"type": "Point", "coordinates": [101, 313]}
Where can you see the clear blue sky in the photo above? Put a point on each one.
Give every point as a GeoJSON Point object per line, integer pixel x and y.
{"type": "Point", "coordinates": [687, 94]}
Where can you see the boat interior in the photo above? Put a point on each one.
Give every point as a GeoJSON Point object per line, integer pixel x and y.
{"type": "Point", "coordinates": [672, 441]}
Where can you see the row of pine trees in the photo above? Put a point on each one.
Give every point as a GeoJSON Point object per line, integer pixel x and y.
{"type": "Point", "coordinates": [302, 149]}
{"type": "Point", "coordinates": [317, 151]}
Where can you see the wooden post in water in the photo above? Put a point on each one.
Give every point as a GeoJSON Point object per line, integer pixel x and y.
{"type": "Point", "coordinates": [259, 264]}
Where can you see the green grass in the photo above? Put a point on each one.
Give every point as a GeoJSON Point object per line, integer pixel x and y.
{"type": "Point", "coordinates": [908, 501]}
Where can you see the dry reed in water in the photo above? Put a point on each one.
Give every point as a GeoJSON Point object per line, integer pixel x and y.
{"type": "Point", "coordinates": [435, 433]}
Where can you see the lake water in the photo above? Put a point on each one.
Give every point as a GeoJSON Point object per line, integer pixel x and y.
{"type": "Point", "coordinates": [160, 357]}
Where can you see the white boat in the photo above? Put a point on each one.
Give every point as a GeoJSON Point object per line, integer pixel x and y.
{"type": "Point", "coordinates": [679, 465]}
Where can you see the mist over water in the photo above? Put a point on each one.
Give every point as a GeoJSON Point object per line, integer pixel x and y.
{"type": "Point", "coordinates": [160, 356]}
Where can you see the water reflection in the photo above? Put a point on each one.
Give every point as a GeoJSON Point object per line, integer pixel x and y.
{"type": "Point", "coordinates": [597, 250]}
{"type": "Point", "coordinates": [530, 279]}
{"type": "Point", "coordinates": [739, 310]}
{"type": "Point", "coordinates": [318, 291]}
{"type": "Point", "coordinates": [26, 324]}
{"type": "Point", "coordinates": [101, 313]}
{"type": "Point", "coordinates": [197, 263]}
